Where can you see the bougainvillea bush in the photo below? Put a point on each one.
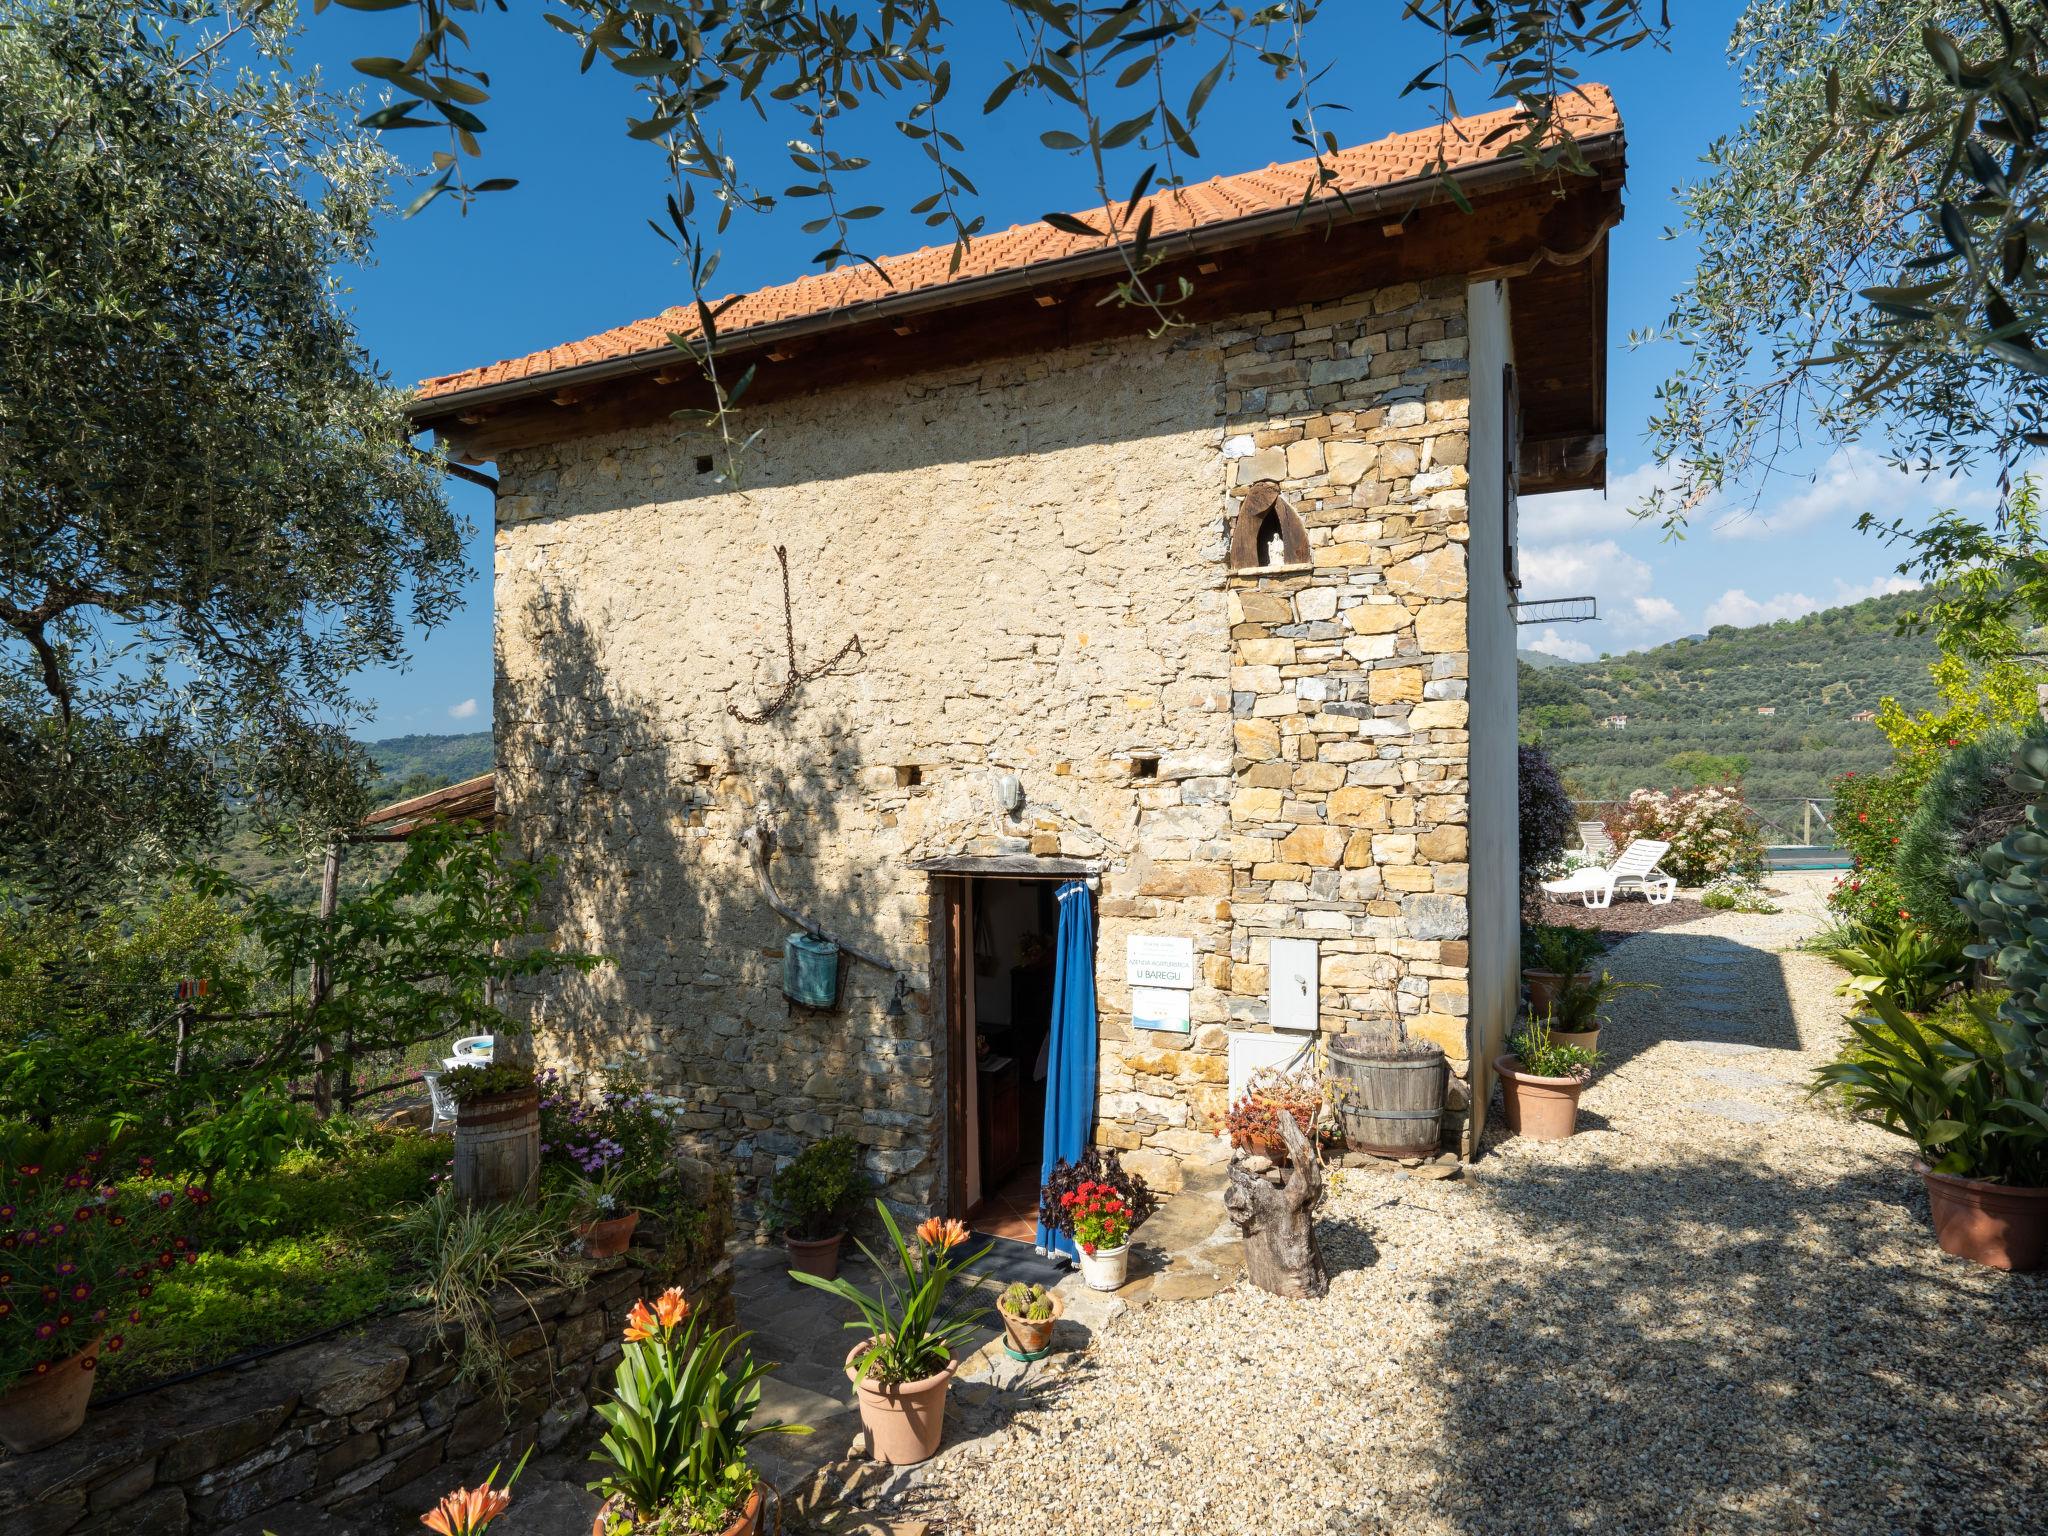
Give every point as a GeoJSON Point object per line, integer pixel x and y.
{"type": "Point", "coordinates": [1711, 832]}
{"type": "Point", "coordinates": [81, 1249]}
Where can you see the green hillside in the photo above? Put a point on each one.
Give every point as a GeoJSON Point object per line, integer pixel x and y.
{"type": "Point", "coordinates": [1702, 697]}
{"type": "Point", "coordinates": [448, 759]}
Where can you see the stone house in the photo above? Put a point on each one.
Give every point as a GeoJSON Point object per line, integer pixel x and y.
{"type": "Point", "coordinates": [1219, 620]}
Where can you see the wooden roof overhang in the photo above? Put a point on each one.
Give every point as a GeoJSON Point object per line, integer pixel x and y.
{"type": "Point", "coordinates": [1545, 236]}
{"type": "Point", "coordinates": [473, 800]}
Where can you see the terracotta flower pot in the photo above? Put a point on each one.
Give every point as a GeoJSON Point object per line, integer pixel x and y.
{"type": "Point", "coordinates": [2002, 1225]}
{"type": "Point", "coordinates": [746, 1523]}
{"type": "Point", "coordinates": [1545, 985]}
{"type": "Point", "coordinates": [38, 1411]}
{"type": "Point", "coordinates": [1105, 1268]}
{"type": "Point", "coordinates": [904, 1423]}
{"type": "Point", "coordinates": [814, 1255]}
{"type": "Point", "coordinates": [1029, 1336]}
{"type": "Point", "coordinates": [1585, 1039]}
{"type": "Point", "coordinates": [1540, 1108]}
{"type": "Point", "coordinates": [604, 1238]}
{"type": "Point", "coordinates": [1263, 1145]}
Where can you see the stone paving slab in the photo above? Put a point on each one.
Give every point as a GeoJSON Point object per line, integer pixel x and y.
{"type": "Point", "coordinates": [1722, 1047]}
{"type": "Point", "coordinates": [1740, 1109]}
{"type": "Point", "coordinates": [1738, 1077]}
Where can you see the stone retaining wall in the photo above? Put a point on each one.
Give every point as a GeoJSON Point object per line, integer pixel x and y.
{"type": "Point", "coordinates": [362, 1432]}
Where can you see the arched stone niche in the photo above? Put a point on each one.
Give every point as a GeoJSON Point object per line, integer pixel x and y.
{"type": "Point", "coordinates": [1267, 535]}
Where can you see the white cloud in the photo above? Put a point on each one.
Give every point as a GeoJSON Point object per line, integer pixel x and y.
{"type": "Point", "coordinates": [1565, 514]}
{"type": "Point", "coordinates": [1551, 643]}
{"type": "Point", "coordinates": [466, 710]}
{"type": "Point", "coordinates": [1575, 570]}
{"type": "Point", "coordinates": [1877, 586]}
{"type": "Point", "coordinates": [1853, 481]}
{"type": "Point", "coordinates": [1652, 613]}
{"type": "Point", "coordinates": [1737, 607]}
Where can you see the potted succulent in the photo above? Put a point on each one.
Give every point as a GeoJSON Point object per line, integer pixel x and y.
{"type": "Point", "coordinates": [1101, 1220]}
{"type": "Point", "coordinates": [497, 1131]}
{"type": "Point", "coordinates": [915, 1329]}
{"type": "Point", "coordinates": [1554, 954]}
{"type": "Point", "coordinates": [1028, 1313]}
{"type": "Point", "coordinates": [1253, 1121]}
{"type": "Point", "coordinates": [1540, 1083]}
{"type": "Point", "coordinates": [1577, 1010]}
{"type": "Point", "coordinates": [80, 1249]}
{"type": "Point", "coordinates": [1979, 1116]}
{"type": "Point", "coordinates": [677, 1427]}
{"type": "Point", "coordinates": [813, 1196]}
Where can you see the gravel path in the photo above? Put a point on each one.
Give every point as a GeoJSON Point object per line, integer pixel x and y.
{"type": "Point", "coordinates": [1718, 1308]}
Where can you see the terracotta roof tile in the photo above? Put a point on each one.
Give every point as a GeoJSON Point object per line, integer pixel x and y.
{"type": "Point", "coordinates": [1396, 158]}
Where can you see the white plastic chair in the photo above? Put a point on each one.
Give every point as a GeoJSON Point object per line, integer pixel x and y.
{"type": "Point", "coordinates": [1594, 840]}
{"type": "Point", "coordinates": [443, 1103]}
{"type": "Point", "coordinates": [477, 1046]}
{"type": "Point", "coordinates": [1636, 869]}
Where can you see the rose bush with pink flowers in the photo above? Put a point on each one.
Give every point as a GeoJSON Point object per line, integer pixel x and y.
{"type": "Point", "coordinates": [1711, 832]}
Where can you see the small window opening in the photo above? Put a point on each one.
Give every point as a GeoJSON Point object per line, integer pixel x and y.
{"type": "Point", "coordinates": [703, 463]}
{"type": "Point", "coordinates": [909, 776]}
{"type": "Point", "coordinates": [1145, 765]}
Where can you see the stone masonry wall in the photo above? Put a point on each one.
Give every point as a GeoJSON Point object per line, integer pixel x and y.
{"type": "Point", "coordinates": [371, 1425]}
{"type": "Point", "coordinates": [1349, 823]}
{"type": "Point", "coordinates": [1032, 556]}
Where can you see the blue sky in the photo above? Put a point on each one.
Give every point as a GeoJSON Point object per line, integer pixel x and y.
{"type": "Point", "coordinates": [569, 253]}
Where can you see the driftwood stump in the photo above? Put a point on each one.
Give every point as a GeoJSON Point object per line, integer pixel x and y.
{"type": "Point", "coordinates": [1275, 1209]}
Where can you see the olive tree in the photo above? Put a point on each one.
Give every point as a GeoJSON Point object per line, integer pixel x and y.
{"type": "Point", "coordinates": [210, 514]}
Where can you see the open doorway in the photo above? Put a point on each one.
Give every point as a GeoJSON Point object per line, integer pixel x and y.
{"type": "Point", "coordinates": [1008, 936]}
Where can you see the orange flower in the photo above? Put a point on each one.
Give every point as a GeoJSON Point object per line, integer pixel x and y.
{"type": "Point", "coordinates": [942, 1235]}
{"type": "Point", "coordinates": [641, 1323]}
{"type": "Point", "coordinates": [466, 1511]}
{"type": "Point", "coordinates": [673, 1307]}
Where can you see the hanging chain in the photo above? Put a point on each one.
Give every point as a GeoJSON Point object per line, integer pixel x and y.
{"type": "Point", "coordinates": [797, 678]}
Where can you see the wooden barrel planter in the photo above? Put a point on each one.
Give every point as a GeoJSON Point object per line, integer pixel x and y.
{"type": "Point", "coordinates": [1390, 1094]}
{"type": "Point", "coordinates": [497, 1148]}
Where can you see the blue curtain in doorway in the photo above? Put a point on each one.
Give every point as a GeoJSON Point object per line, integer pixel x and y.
{"type": "Point", "coordinates": [1070, 1062]}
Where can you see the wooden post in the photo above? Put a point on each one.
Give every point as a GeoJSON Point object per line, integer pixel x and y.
{"type": "Point", "coordinates": [1275, 1209]}
{"type": "Point", "coordinates": [321, 982]}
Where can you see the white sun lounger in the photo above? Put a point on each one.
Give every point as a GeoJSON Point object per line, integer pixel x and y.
{"type": "Point", "coordinates": [1636, 869]}
{"type": "Point", "coordinates": [1594, 840]}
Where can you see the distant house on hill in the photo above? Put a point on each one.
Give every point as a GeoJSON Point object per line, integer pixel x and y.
{"type": "Point", "coordinates": [1864, 716]}
{"type": "Point", "coordinates": [1767, 709]}
{"type": "Point", "coordinates": [1615, 723]}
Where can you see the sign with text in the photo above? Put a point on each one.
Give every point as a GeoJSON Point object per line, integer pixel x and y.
{"type": "Point", "coordinates": [1159, 1008]}
{"type": "Point", "coordinates": [1154, 960]}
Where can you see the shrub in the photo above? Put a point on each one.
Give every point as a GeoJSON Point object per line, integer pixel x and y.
{"type": "Point", "coordinates": [1969, 802]}
{"type": "Point", "coordinates": [1545, 816]}
{"type": "Point", "coordinates": [818, 1190]}
{"type": "Point", "coordinates": [1912, 967]}
{"type": "Point", "coordinates": [1560, 948]}
{"type": "Point", "coordinates": [1711, 832]}
{"type": "Point", "coordinates": [487, 1080]}
{"type": "Point", "coordinates": [2007, 902]}
{"type": "Point", "coordinates": [1976, 1112]}
{"type": "Point", "coordinates": [1736, 893]}
{"type": "Point", "coordinates": [620, 1136]}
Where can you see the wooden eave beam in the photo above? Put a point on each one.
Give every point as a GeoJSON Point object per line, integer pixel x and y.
{"type": "Point", "coordinates": [1509, 232]}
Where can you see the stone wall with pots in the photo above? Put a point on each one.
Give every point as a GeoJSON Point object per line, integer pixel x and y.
{"type": "Point", "coordinates": [370, 1425]}
{"type": "Point", "coordinates": [1055, 658]}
